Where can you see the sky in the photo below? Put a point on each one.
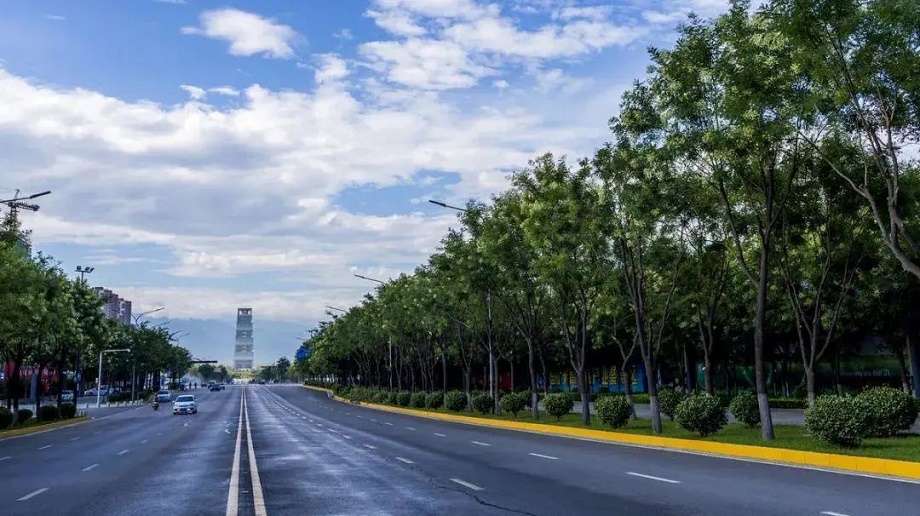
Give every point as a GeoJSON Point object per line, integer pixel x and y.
{"type": "Point", "coordinates": [207, 155]}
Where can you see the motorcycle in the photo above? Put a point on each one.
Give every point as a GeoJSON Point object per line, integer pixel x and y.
{"type": "Point", "coordinates": [156, 405]}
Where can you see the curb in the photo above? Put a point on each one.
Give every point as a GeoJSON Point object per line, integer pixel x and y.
{"type": "Point", "coordinates": [815, 460]}
{"type": "Point", "coordinates": [32, 430]}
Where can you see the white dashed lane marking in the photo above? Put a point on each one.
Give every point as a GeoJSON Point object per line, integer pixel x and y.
{"type": "Point", "coordinates": [407, 461]}
{"type": "Point", "coordinates": [668, 480]}
{"type": "Point", "coordinates": [544, 456]}
{"type": "Point", "coordinates": [480, 444]}
{"type": "Point", "coordinates": [464, 483]}
{"type": "Point", "coordinates": [87, 468]}
{"type": "Point", "coordinates": [32, 494]}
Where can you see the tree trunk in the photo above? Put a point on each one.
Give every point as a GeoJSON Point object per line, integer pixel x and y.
{"type": "Point", "coordinates": [810, 385]}
{"type": "Point", "coordinates": [913, 352]}
{"type": "Point", "coordinates": [585, 395]}
{"type": "Point", "coordinates": [707, 370]}
{"type": "Point", "coordinates": [443, 370]}
{"type": "Point", "coordinates": [760, 373]}
{"type": "Point", "coordinates": [902, 367]}
{"type": "Point", "coordinates": [534, 397]}
{"type": "Point", "coordinates": [650, 380]}
{"type": "Point", "coordinates": [627, 388]}
{"type": "Point", "coordinates": [543, 372]}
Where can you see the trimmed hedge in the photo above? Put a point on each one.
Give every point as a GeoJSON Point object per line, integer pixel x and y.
{"type": "Point", "coordinates": [702, 413]}
{"type": "Point", "coordinates": [403, 399]}
{"type": "Point", "coordinates": [513, 402]}
{"type": "Point", "coordinates": [839, 420]}
{"type": "Point", "coordinates": [418, 400]}
{"type": "Point", "coordinates": [482, 402]}
{"type": "Point", "coordinates": [892, 410]}
{"type": "Point", "coordinates": [6, 418]}
{"type": "Point", "coordinates": [435, 400]}
{"type": "Point", "coordinates": [48, 413]}
{"type": "Point", "coordinates": [23, 415]}
{"type": "Point", "coordinates": [668, 400]}
{"type": "Point", "coordinates": [558, 404]}
{"type": "Point", "coordinates": [613, 410]}
{"type": "Point", "coordinates": [392, 398]}
{"type": "Point", "coordinates": [68, 410]}
{"type": "Point", "coordinates": [745, 408]}
{"type": "Point", "coordinates": [455, 401]}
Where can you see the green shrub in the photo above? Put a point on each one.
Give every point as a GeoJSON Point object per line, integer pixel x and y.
{"type": "Point", "coordinates": [48, 413]}
{"type": "Point", "coordinates": [418, 399]}
{"type": "Point", "coordinates": [702, 413]}
{"type": "Point", "coordinates": [482, 402]}
{"type": "Point", "coordinates": [6, 418]}
{"type": "Point", "coordinates": [403, 399]}
{"type": "Point", "coordinates": [892, 410]}
{"type": "Point", "coordinates": [455, 401]}
{"type": "Point", "coordinates": [513, 403]}
{"type": "Point", "coordinates": [392, 398]}
{"type": "Point", "coordinates": [23, 415]}
{"type": "Point", "coordinates": [640, 398]}
{"type": "Point", "coordinates": [613, 410]}
{"type": "Point", "coordinates": [381, 397]}
{"type": "Point", "coordinates": [68, 410]}
{"type": "Point", "coordinates": [435, 400]}
{"type": "Point", "coordinates": [668, 400]}
{"type": "Point", "coordinates": [839, 420]}
{"type": "Point", "coordinates": [745, 408]}
{"type": "Point", "coordinates": [558, 404]}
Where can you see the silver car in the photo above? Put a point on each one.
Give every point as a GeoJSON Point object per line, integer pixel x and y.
{"type": "Point", "coordinates": [185, 404]}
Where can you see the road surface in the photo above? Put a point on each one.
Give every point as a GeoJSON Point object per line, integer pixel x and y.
{"type": "Point", "coordinates": [312, 455]}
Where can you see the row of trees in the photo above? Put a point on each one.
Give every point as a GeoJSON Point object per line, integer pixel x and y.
{"type": "Point", "coordinates": [50, 322]}
{"type": "Point", "coordinates": [757, 204]}
{"type": "Point", "coordinates": [279, 371]}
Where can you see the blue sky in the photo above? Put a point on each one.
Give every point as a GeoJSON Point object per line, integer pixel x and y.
{"type": "Point", "coordinates": [206, 155]}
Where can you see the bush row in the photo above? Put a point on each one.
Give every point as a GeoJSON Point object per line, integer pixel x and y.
{"type": "Point", "coordinates": [45, 413]}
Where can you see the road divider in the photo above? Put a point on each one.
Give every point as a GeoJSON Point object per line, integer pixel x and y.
{"type": "Point", "coordinates": [771, 455]}
{"type": "Point", "coordinates": [43, 428]}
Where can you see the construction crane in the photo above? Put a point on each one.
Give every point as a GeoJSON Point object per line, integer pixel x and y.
{"type": "Point", "coordinates": [18, 203]}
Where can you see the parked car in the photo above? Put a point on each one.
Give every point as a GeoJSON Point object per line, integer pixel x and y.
{"type": "Point", "coordinates": [185, 404]}
{"type": "Point", "coordinates": [104, 391]}
{"type": "Point", "coordinates": [164, 396]}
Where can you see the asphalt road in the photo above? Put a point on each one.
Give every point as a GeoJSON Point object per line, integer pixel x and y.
{"type": "Point", "coordinates": [288, 450]}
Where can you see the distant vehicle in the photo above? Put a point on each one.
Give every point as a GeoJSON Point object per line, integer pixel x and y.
{"type": "Point", "coordinates": [213, 386]}
{"type": "Point", "coordinates": [104, 391]}
{"type": "Point", "coordinates": [185, 404]}
{"type": "Point", "coordinates": [66, 395]}
{"type": "Point", "coordinates": [164, 396]}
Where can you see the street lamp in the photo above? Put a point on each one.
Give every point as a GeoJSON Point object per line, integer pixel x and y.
{"type": "Point", "coordinates": [492, 379]}
{"type": "Point", "coordinates": [82, 271]}
{"type": "Point", "coordinates": [99, 378]}
{"type": "Point", "coordinates": [138, 316]}
{"type": "Point", "coordinates": [337, 309]}
{"type": "Point", "coordinates": [389, 337]}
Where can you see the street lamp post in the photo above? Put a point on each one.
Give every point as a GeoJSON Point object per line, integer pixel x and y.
{"type": "Point", "coordinates": [492, 380]}
{"type": "Point", "coordinates": [99, 378]}
{"type": "Point", "coordinates": [138, 316]}
{"type": "Point", "coordinates": [83, 271]}
{"type": "Point", "coordinates": [389, 338]}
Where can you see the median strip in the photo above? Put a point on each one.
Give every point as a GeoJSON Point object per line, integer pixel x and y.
{"type": "Point", "coordinates": [831, 462]}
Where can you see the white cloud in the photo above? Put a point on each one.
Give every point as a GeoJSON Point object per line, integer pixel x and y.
{"type": "Point", "coordinates": [342, 34]}
{"type": "Point", "coordinates": [194, 92]}
{"type": "Point", "coordinates": [170, 1]}
{"type": "Point", "coordinates": [500, 84]}
{"type": "Point", "coordinates": [425, 63]}
{"type": "Point", "coordinates": [247, 33]}
{"type": "Point", "coordinates": [225, 90]}
{"type": "Point", "coordinates": [397, 22]}
{"type": "Point", "coordinates": [595, 12]}
{"type": "Point", "coordinates": [331, 68]}
{"type": "Point", "coordinates": [55, 17]}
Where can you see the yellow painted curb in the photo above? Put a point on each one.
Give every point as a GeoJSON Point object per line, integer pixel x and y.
{"type": "Point", "coordinates": [42, 428]}
{"type": "Point", "coordinates": [869, 465]}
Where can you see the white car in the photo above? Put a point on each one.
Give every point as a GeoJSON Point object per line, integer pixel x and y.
{"type": "Point", "coordinates": [185, 404]}
{"type": "Point", "coordinates": [92, 392]}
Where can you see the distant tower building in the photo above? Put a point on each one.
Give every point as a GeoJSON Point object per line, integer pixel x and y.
{"type": "Point", "coordinates": [242, 355]}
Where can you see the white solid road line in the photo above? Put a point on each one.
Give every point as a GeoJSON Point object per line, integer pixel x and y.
{"type": "Point", "coordinates": [122, 452]}
{"type": "Point", "coordinates": [369, 446]}
{"type": "Point", "coordinates": [33, 493]}
{"type": "Point", "coordinates": [233, 496]}
{"type": "Point", "coordinates": [480, 444]}
{"type": "Point", "coordinates": [87, 468]}
{"type": "Point", "coordinates": [668, 480]}
{"type": "Point", "coordinates": [407, 461]}
{"type": "Point", "coordinates": [550, 457]}
{"type": "Point", "coordinates": [832, 513]}
{"type": "Point", "coordinates": [45, 447]}
{"type": "Point", "coordinates": [464, 483]}
{"type": "Point", "coordinates": [258, 500]}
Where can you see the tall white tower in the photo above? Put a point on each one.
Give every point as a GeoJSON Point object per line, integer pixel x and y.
{"type": "Point", "coordinates": [242, 353]}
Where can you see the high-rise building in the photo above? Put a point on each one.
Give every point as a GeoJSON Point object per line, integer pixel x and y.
{"type": "Point", "coordinates": [114, 306]}
{"type": "Point", "coordinates": [242, 353]}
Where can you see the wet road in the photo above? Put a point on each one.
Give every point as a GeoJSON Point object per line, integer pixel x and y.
{"type": "Point", "coordinates": [288, 450]}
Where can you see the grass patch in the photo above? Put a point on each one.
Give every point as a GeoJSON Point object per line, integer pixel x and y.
{"type": "Point", "coordinates": [904, 447]}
